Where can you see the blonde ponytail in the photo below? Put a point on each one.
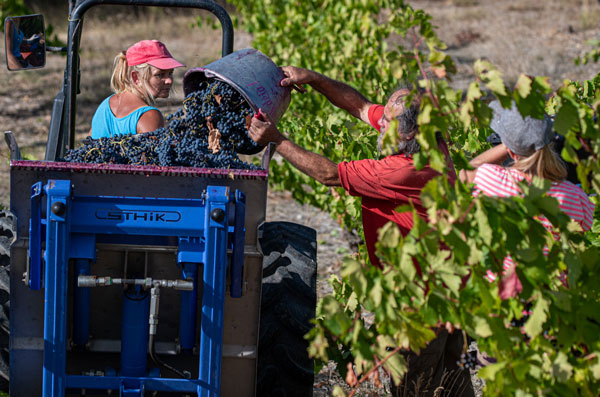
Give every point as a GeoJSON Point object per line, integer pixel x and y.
{"type": "Point", "coordinates": [120, 80]}
{"type": "Point", "coordinates": [544, 163]}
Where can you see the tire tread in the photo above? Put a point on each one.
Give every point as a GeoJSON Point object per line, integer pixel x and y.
{"type": "Point", "coordinates": [287, 306]}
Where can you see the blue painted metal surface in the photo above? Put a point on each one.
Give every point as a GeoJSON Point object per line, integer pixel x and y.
{"type": "Point", "coordinates": [35, 238]}
{"type": "Point", "coordinates": [188, 309]}
{"type": "Point", "coordinates": [125, 391]}
{"type": "Point", "coordinates": [134, 333]}
{"type": "Point", "coordinates": [213, 292]}
{"type": "Point", "coordinates": [114, 383]}
{"type": "Point", "coordinates": [202, 229]}
{"type": "Point", "coordinates": [81, 306]}
{"type": "Point", "coordinates": [237, 251]}
{"type": "Point", "coordinates": [55, 298]}
{"type": "Point", "coordinates": [141, 216]}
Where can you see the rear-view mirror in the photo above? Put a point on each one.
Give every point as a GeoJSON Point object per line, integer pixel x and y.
{"type": "Point", "coordinates": [25, 42]}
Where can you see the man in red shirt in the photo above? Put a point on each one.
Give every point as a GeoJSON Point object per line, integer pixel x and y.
{"type": "Point", "coordinates": [383, 185]}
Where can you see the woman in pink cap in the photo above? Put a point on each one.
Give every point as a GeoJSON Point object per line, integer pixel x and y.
{"type": "Point", "coordinates": [141, 74]}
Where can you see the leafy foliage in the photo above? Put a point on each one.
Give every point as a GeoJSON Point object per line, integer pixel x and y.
{"type": "Point", "coordinates": [374, 313]}
{"type": "Point", "coordinates": [300, 33]}
{"type": "Point", "coordinates": [12, 8]}
{"type": "Point", "coordinates": [592, 55]}
{"type": "Point", "coordinates": [18, 8]}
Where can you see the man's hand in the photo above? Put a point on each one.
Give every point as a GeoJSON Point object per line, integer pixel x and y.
{"type": "Point", "coordinates": [263, 130]}
{"type": "Point", "coordinates": [295, 77]}
{"type": "Point", "coordinates": [339, 94]}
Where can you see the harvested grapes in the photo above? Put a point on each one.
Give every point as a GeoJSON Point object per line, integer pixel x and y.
{"type": "Point", "coordinates": [208, 131]}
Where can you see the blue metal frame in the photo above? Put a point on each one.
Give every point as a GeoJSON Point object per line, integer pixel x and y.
{"type": "Point", "coordinates": [81, 306]}
{"type": "Point", "coordinates": [237, 256]}
{"type": "Point", "coordinates": [134, 334]}
{"type": "Point", "coordinates": [115, 382]}
{"type": "Point", "coordinates": [72, 223]}
{"type": "Point", "coordinates": [213, 294]}
{"type": "Point", "coordinates": [35, 238]}
{"type": "Point", "coordinates": [188, 310]}
{"type": "Point", "coordinates": [55, 298]}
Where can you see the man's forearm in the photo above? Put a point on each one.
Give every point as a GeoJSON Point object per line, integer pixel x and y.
{"type": "Point", "coordinates": [312, 164]}
{"type": "Point", "coordinates": [495, 155]}
{"type": "Point", "coordinates": [342, 95]}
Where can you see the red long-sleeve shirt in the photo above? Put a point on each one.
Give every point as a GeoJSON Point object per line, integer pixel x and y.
{"type": "Point", "coordinates": [386, 184]}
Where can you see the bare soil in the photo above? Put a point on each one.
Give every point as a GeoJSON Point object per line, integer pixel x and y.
{"type": "Point", "coordinates": [533, 37]}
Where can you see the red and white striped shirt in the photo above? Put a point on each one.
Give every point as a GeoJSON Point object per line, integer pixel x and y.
{"type": "Point", "coordinates": [496, 181]}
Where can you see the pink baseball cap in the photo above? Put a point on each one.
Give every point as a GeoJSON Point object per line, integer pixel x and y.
{"type": "Point", "coordinates": [152, 52]}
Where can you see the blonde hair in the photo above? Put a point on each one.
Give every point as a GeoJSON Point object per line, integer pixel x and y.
{"type": "Point", "coordinates": [120, 80]}
{"type": "Point", "coordinates": [544, 163]}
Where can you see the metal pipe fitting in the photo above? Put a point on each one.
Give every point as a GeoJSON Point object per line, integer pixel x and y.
{"type": "Point", "coordinates": [154, 302]}
{"type": "Point", "coordinates": [97, 281]}
{"type": "Point", "coordinates": [93, 281]}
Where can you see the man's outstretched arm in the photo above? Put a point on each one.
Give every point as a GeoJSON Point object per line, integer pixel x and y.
{"type": "Point", "coordinates": [314, 165]}
{"type": "Point", "coordinates": [339, 94]}
{"type": "Point", "coordinates": [495, 155]}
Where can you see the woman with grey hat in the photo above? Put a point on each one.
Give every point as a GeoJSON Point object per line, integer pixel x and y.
{"type": "Point", "coordinates": [527, 141]}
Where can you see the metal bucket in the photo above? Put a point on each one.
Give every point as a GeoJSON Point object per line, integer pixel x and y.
{"type": "Point", "coordinates": [252, 74]}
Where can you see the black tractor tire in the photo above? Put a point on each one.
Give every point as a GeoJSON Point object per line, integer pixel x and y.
{"type": "Point", "coordinates": [288, 304]}
{"type": "Point", "coordinates": [7, 237]}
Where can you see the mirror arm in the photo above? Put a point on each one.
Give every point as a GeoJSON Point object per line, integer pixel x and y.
{"type": "Point", "coordinates": [56, 49]}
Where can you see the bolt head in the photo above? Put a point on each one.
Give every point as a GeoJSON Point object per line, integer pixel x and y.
{"type": "Point", "coordinates": [58, 208]}
{"type": "Point", "coordinates": [217, 215]}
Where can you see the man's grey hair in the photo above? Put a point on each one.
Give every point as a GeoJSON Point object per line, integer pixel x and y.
{"type": "Point", "coordinates": [407, 124]}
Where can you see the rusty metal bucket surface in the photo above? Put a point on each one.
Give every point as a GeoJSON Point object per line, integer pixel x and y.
{"type": "Point", "coordinates": [252, 74]}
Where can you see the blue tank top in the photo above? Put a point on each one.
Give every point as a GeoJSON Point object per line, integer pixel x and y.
{"type": "Point", "coordinates": [17, 39]}
{"type": "Point", "coordinates": [106, 125]}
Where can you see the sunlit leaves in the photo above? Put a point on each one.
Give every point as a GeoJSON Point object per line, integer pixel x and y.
{"type": "Point", "coordinates": [523, 86]}
{"type": "Point", "coordinates": [490, 76]}
{"type": "Point", "coordinates": [437, 273]}
{"type": "Point", "coordinates": [482, 328]}
{"type": "Point", "coordinates": [490, 371]}
{"type": "Point", "coordinates": [565, 118]}
{"type": "Point", "coordinates": [534, 324]}
{"type": "Point", "coordinates": [561, 368]}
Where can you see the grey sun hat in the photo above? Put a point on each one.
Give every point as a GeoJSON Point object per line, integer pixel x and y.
{"type": "Point", "coordinates": [523, 136]}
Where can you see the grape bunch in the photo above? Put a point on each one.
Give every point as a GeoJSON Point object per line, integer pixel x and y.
{"type": "Point", "coordinates": [525, 314]}
{"type": "Point", "coordinates": [222, 107]}
{"type": "Point", "coordinates": [208, 131]}
{"type": "Point", "coordinates": [468, 360]}
{"type": "Point", "coordinates": [518, 323]}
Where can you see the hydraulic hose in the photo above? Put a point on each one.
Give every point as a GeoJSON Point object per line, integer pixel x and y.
{"type": "Point", "coordinates": [160, 363]}
{"type": "Point", "coordinates": [153, 320]}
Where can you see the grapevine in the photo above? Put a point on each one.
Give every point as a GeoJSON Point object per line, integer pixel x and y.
{"type": "Point", "coordinates": [550, 348]}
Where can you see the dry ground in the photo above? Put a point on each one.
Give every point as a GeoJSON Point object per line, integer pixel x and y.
{"type": "Point", "coordinates": [534, 37]}
{"type": "Point", "coordinates": [540, 37]}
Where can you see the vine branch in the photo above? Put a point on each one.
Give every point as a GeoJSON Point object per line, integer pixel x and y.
{"type": "Point", "coordinates": [375, 368]}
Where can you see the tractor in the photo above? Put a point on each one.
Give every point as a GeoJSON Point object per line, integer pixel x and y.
{"type": "Point", "coordinates": [145, 280]}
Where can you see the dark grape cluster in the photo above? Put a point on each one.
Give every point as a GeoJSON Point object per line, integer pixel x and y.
{"type": "Point", "coordinates": [468, 360]}
{"type": "Point", "coordinates": [518, 323]}
{"type": "Point", "coordinates": [525, 314]}
{"type": "Point", "coordinates": [207, 132]}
